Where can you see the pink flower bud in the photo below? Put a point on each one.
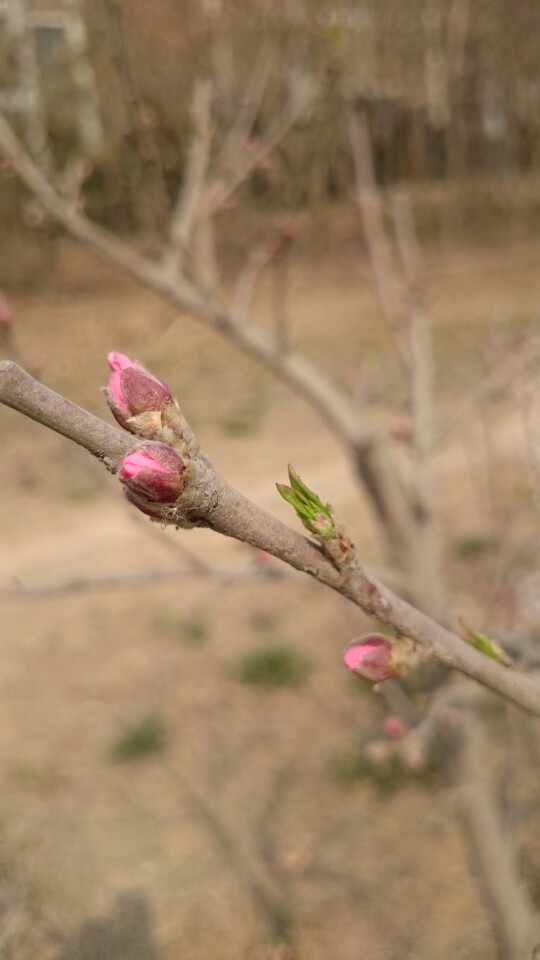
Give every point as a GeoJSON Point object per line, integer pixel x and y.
{"type": "Point", "coordinates": [5, 309]}
{"type": "Point", "coordinates": [286, 226]}
{"type": "Point", "coordinates": [401, 428]}
{"type": "Point", "coordinates": [371, 657]}
{"type": "Point", "coordinates": [132, 389]}
{"type": "Point", "coordinates": [152, 475]}
{"type": "Point", "coordinates": [395, 728]}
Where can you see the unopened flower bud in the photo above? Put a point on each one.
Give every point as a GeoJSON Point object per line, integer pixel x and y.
{"type": "Point", "coordinates": [395, 728]}
{"type": "Point", "coordinates": [401, 428]}
{"type": "Point", "coordinates": [376, 657]}
{"type": "Point", "coordinates": [152, 475]}
{"type": "Point", "coordinates": [5, 310]}
{"type": "Point", "coordinates": [371, 658]}
{"type": "Point", "coordinates": [133, 391]}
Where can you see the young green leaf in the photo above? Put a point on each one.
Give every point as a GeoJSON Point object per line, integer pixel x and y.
{"type": "Point", "coordinates": [316, 516]}
{"type": "Point", "coordinates": [487, 646]}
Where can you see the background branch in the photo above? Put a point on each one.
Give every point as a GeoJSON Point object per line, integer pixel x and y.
{"type": "Point", "coordinates": [367, 447]}
{"type": "Point", "coordinates": [385, 275]}
{"type": "Point", "coordinates": [188, 204]}
{"type": "Point", "coordinates": [518, 922]}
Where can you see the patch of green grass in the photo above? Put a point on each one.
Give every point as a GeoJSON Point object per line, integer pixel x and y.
{"type": "Point", "coordinates": [273, 667]}
{"type": "Point", "coordinates": [141, 739]}
{"type": "Point", "coordinates": [473, 545]}
{"type": "Point", "coordinates": [195, 630]}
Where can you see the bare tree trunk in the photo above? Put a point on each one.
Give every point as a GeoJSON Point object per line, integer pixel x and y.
{"type": "Point", "coordinates": [517, 922]}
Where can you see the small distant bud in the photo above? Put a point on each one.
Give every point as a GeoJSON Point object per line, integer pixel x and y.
{"type": "Point", "coordinates": [132, 390]}
{"type": "Point", "coordinates": [401, 428]}
{"type": "Point", "coordinates": [5, 309]}
{"type": "Point", "coordinates": [413, 754]}
{"type": "Point", "coordinates": [395, 728]}
{"type": "Point", "coordinates": [371, 658]}
{"type": "Point", "coordinates": [286, 227]}
{"type": "Point", "coordinates": [152, 475]}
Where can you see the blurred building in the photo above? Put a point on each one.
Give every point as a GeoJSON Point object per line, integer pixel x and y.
{"type": "Point", "coordinates": [449, 87]}
{"type": "Point", "coordinates": [46, 77]}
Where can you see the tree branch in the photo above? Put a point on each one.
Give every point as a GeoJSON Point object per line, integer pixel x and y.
{"type": "Point", "coordinates": [208, 500]}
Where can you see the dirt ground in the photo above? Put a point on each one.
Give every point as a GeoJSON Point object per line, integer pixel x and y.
{"type": "Point", "coordinates": [228, 835]}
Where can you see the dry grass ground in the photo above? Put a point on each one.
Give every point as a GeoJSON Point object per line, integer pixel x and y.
{"type": "Point", "coordinates": [153, 804]}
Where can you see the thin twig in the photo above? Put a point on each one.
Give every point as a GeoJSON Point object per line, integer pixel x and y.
{"type": "Point", "coordinates": [227, 575]}
{"type": "Point", "coordinates": [498, 379]}
{"type": "Point", "coordinates": [188, 204]}
{"type": "Point", "coordinates": [422, 393]}
{"type": "Point", "coordinates": [386, 277]}
{"type": "Point", "coordinates": [221, 190]}
{"type": "Point", "coordinates": [235, 142]}
{"type": "Point", "coordinates": [421, 351]}
{"type": "Point", "coordinates": [256, 262]}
